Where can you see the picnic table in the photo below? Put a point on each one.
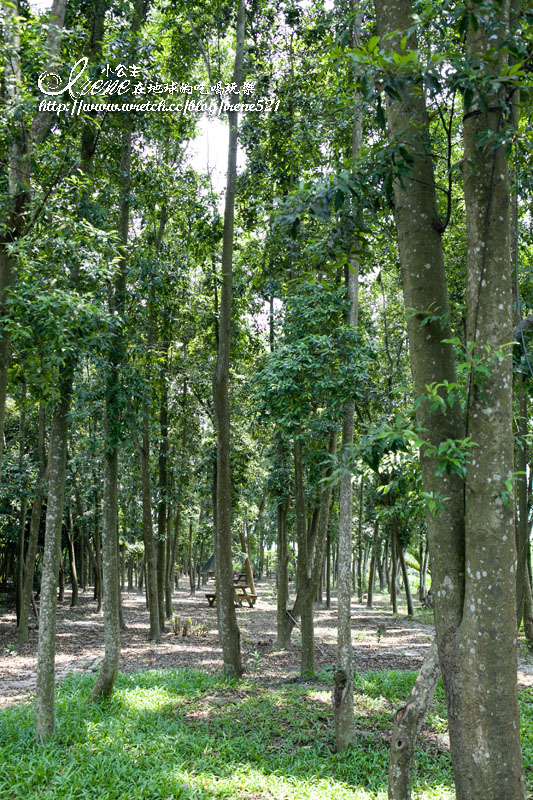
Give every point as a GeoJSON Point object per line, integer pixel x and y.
{"type": "Point", "coordinates": [240, 592]}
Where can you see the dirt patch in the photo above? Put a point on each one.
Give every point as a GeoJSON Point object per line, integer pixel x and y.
{"type": "Point", "coordinates": [381, 641]}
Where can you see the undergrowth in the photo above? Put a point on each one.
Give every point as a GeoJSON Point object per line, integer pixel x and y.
{"type": "Point", "coordinates": [192, 736]}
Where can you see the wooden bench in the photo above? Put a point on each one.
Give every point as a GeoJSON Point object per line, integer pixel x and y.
{"type": "Point", "coordinates": [240, 593]}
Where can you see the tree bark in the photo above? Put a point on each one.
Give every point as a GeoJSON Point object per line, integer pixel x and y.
{"type": "Point", "coordinates": [407, 723]}
{"type": "Point", "coordinates": [35, 523]}
{"type": "Point", "coordinates": [471, 539]}
{"type": "Point", "coordinates": [113, 621]}
{"type": "Point", "coordinates": [373, 565]}
{"type": "Point", "coordinates": [360, 564]}
{"type": "Point", "coordinates": [343, 705]}
{"type": "Point", "coordinates": [311, 547]}
{"type": "Point", "coordinates": [403, 567]}
{"type": "Point", "coordinates": [109, 669]}
{"type": "Point", "coordinates": [487, 751]}
{"type": "Point", "coordinates": [150, 549]}
{"type": "Point", "coordinates": [522, 523]}
{"type": "Point", "coordinates": [163, 492]}
{"type": "Point", "coordinates": [44, 704]}
{"type": "Point", "coordinates": [227, 622]}
{"type": "Point", "coordinates": [19, 580]}
{"type": "Point", "coordinates": [72, 562]}
{"type": "Point", "coordinates": [282, 574]}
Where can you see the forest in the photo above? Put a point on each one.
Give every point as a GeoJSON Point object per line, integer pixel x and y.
{"type": "Point", "coordinates": [266, 303]}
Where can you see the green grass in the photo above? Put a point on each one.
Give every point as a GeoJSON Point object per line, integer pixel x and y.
{"type": "Point", "coordinates": [183, 734]}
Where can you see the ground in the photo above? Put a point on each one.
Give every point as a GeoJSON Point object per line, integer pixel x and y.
{"type": "Point", "coordinates": [381, 641]}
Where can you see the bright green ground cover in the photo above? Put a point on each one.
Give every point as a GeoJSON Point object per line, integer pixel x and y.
{"type": "Point", "coordinates": [183, 734]}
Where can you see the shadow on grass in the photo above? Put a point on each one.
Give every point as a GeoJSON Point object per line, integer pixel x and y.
{"type": "Point", "coordinates": [186, 734]}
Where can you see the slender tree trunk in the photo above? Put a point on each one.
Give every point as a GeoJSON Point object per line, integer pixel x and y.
{"type": "Point", "coordinates": [403, 567]}
{"type": "Point", "coordinates": [163, 492]}
{"type": "Point", "coordinates": [426, 566]}
{"type": "Point", "coordinates": [343, 695]}
{"type": "Point", "coordinates": [394, 575]}
{"type": "Point", "coordinates": [245, 548]}
{"type": "Point", "coordinates": [528, 613]}
{"type": "Point", "coordinates": [150, 549]}
{"type": "Point", "coordinates": [113, 619]}
{"type": "Point", "coordinates": [44, 705]}
{"type": "Point", "coordinates": [227, 621]}
{"type": "Point", "coordinates": [169, 565]}
{"type": "Point", "coordinates": [108, 672]}
{"type": "Point", "coordinates": [328, 570]}
{"type": "Point", "coordinates": [19, 582]}
{"type": "Point", "coordinates": [72, 561]}
{"type": "Point", "coordinates": [383, 569]}
{"type": "Point", "coordinates": [311, 551]}
{"type": "Point", "coordinates": [522, 523]}
{"type": "Point", "coordinates": [35, 523]}
{"type": "Point", "coordinates": [360, 565]}
{"type": "Point", "coordinates": [407, 723]}
{"type": "Point", "coordinates": [282, 574]}
{"type": "Point", "coordinates": [97, 559]}
{"type": "Point", "coordinates": [61, 589]}
{"type": "Point", "coordinates": [373, 565]}
{"type": "Point", "coordinates": [192, 581]}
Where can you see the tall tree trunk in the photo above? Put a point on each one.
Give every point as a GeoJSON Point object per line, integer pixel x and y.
{"type": "Point", "coordinates": [150, 548]}
{"type": "Point", "coordinates": [522, 523]}
{"type": "Point", "coordinates": [191, 560]}
{"type": "Point", "coordinates": [360, 560]}
{"type": "Point", "coordinates": [373, 565]}
{"type": "Point", "coordinates": [311, 551]}
{"type": "Point", "coordinates": [23, 507]}
{"type": "Point", "coordinates": [168, 564]}
{"type": "Point", "coordinates": [246, 554]}
{"type": "Point", "coordinates": [328, 570]}
{"type": "Point", "coordinates": [72, 561]}
{"type": "Point", "coordinates": [163, 492]}
{"type": "Point", "coordinates": [394, 573]}
{"type": "Point", "coordinates": [282, 574]}
{"type": "Point", "coordinates": [44, 704]}
{"type": "Point", "coordinates": [343, 695]}
{"type": "Point", "coordinates": [472, 538]}
{"type": "Point", "coordinates": [97, 553]}
{"type": "Point", "coordinates": [403, 567]}
{"type": "Point", "coordinates": [487, 657]}
{"type": "Point", "coordinates": [113, 618]}
{"type": "Point", "coordinates": [227, 621]}
{"type": "Point", "coordinates": [109, 669]}
{"type": "Point", "coordinates": [35, 522]}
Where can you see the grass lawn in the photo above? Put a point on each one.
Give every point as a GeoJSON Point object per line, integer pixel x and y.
{"type": "Point", "coordinates": [184, 734]}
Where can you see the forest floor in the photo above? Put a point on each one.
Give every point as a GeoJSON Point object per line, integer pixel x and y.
{"type": "Point", "coordinates": [381, 641]}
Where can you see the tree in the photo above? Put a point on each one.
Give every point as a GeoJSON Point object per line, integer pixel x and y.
{"type": "Point", "coordinates": [471, 539]}
{"type": "Point", "coordinates": [227, 623]}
